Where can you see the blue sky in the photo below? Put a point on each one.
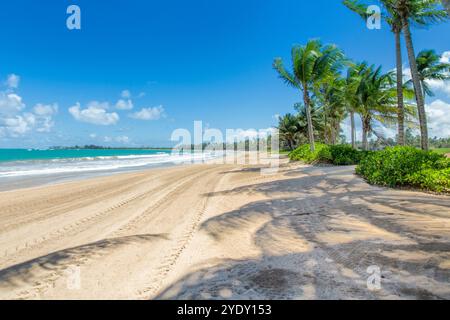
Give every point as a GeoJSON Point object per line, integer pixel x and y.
{"type": "Point", "coordinates": [176, 61]}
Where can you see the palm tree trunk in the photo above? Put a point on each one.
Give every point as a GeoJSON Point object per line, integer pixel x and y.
{"type": "Point", "coordinates": [365, 133]}
{"type": "Point", "coordinates": [352, 120]}
{"type": "Point", "coordinates": [308, 117]}
{"type": "Point", "coordinates": [424, 93]}
{"type": "Point", "coordinates": [401, 106]}
{"type": "Point", "coordinates": [333, 132]}
{"type": "Point", "coordinates": [417, 86]}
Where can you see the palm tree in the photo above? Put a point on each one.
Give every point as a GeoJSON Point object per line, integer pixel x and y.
{"type": "Point", "coordinates": [423, 13]}
{"type": "Point", "coordinates": [310, 63]}
{"type": "Point", "coordinates": [289, 128]}
{"type": "Point", "coordinates": [377, 100]}
{"type": "Point", "coordinates": [394, 21]}
{"type": "Point", "coordinates": [352, 81]}
{"type": "Point", "coordinates": [316, 119]}
{"type": "Point", "coordinates": [332, 97]}
{"type": "Point", "coordinates": [430, 68]}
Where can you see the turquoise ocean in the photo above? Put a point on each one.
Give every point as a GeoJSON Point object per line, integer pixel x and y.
{"type": "Point", "coordinates": [30, 163]}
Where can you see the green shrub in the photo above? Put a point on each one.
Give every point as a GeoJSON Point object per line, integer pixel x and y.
{"type": "Point", "coordinates": [431, 179]}
{"type": "Point", "coordinates": [400, 166]}
{"type": "Point", "coordinates": [337, 155]}
{"type": "Point", "coordinates": [343, 155]}
{"type": "Point", "coordinates": [303, 153]}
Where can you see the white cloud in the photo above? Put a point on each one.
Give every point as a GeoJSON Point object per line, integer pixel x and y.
{"type": "Point", "coordinates": [45, 110]}
{"type": "Point", "coordinates": [124, 104]}
{"type": "Point", "coordinates": [14, 122]}
{"type": "Point", "coordinates": [93, 135]}
{"type": "Point", "coordinates": [10, 103]}
{"type": "Point", "coordinates": [149, 114]}
{"type": "Point", "coordinates": [13, 81]}
{"type": "Point", "coordinates": [122, 139]}
{"type": "Point", "coordinates": [439, 85]}
{"type": "Point", "coordinates": [438, 113]}
{"type": "Point", "coordinates": [17, 125]}
{"type": "Point", "coordinates": [44, 116]}
{"type": "Point", "coordinates": [445, 58]}
{"type": "Point", "coordinates": [126, 94]}
{"type": "Point", "coordinates": [94, 113]}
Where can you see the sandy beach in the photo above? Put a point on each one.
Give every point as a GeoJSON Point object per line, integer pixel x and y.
{"type": "Point", "coordinates": [223, 232]}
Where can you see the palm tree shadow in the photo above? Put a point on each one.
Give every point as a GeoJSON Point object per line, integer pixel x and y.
{"type": "Point", "coordinates": [18, 274]}
{"type": "Point", "coordinates": [318, 242]}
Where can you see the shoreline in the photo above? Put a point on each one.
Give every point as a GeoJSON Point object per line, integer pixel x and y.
{"type": "Point", "coordinates": [37, 181]}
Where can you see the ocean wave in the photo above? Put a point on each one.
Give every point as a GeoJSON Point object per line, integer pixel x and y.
{"type": "Point", "coordinates": [92, 164]}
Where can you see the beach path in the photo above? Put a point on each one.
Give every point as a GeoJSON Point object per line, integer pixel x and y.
{"type": "Point", "coordinates": [224, 232]}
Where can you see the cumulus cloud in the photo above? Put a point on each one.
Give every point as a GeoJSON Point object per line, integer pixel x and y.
{"type": "Point", "coordinates": [148, 114]}
{"type": "Point", "coordinates": [440, 85]}
{"type": "Point", "coordinates": [445, 58]}
{"type": "Point", "coordinates": [123, 104]}
{"type": "Point", "coordinates": [13, 81]}
{"type": "Point", "coordinates": [438, 113]}
{"type": "Point", "coordinates": [10, 103]}
{"type": "Point", "coordinates": [15, 121]}
{"type": "Point", "coordinates": [94, 113]}
{"type": "Point", "coordinates": [45, 109]}
{"type": "Point", "coordinates": [44, 116]}
{"type": "Point", "coordinates": [122, 139]}
{"type": "Point", "coordinates": [18, 125]}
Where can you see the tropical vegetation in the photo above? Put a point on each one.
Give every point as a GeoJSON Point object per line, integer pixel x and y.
{"type": "Point", "coordinates": [333, 88]}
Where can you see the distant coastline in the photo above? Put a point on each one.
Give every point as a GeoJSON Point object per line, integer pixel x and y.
{"type": "Point", "coordinates": [95, 147]}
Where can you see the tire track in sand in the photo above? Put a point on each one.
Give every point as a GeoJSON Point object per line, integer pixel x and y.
{"type": "Point", "coordinates": [45, 283]}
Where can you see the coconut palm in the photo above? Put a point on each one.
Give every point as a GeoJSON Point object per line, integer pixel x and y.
{"type": "Point", "coordinates": [316, 119]}
{"type": "Point", "coordinates": [422, 13]}
{"type": "Point", "coordinates": [310, 64]}
{"type": "Point", "coordinates": [430, 68]}
{"type": "Point", "coordinates": [289, 128]}
{"type": "Point", "coordinates": [377, 100]}
{"type": "Point", "coordinates": [394, 21]}
{"type": "Point", "coordinates": [352, 81]}
{"type": "Point", "coordinates": [331, 94]}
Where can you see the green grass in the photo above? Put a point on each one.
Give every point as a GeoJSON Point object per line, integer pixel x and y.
{"type": "Point", "coordinates": [442, 150]}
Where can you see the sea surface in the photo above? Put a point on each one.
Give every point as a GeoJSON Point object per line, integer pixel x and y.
{"type": "Point", "coordinates": [30, 167]}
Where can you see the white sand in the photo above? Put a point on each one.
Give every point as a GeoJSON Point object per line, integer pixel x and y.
{"type": "Point", "coordinates": [223, 231]}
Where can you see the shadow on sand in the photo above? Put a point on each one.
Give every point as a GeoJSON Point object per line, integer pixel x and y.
{"type": "Point", "coordinates": [320, 239]}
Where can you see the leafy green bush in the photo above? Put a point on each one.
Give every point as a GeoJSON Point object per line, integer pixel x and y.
{"type": "Point", "coordinates": [431, 179]}
{"type": "Point", "coordinates": [343, 155]}
{"type": "Point", "coordinates": [337, 155]}
{"type": "Point", "coordinates": [399, 166]}
{"type": "Point", "coordinates": [303, 153]}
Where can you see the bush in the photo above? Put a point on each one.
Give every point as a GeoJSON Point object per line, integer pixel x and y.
{"type": "Point", "coordinates": [303, 153]}
{"type": "Point", "coordinates": [343, 155]}
{"type": "Point", "coordinates": [399, 166]}
{"type": "Point", "coordinates": [337, 155]}
{"type": "Point", "coordinates": [431, 179]}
